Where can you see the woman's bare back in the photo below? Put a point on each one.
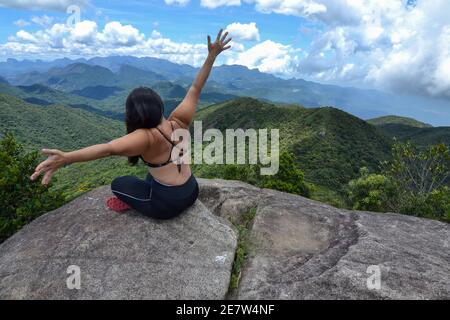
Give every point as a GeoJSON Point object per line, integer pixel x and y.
{"type": "Point", "coordinates": [159, 152]}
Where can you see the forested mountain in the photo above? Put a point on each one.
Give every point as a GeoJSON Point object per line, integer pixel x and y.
{"type": "Point", "coordinates": [408, 129]}
{"type": "Point", "coordinates": [329, 144]}
{"type": "Point", "coordinates": [420, 136]}
{"type": "Point", "coordinates": [55, 126]}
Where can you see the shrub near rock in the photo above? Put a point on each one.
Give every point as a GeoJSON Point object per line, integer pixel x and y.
{"type": "Point", "coordinates": [21, 199]}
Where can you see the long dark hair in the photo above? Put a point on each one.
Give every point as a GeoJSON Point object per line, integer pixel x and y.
{"type": "Point", "coordinates": [144, 109]}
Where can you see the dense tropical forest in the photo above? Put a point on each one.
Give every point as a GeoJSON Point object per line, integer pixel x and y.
{"type": "Point", "coordinates": [386, 164]}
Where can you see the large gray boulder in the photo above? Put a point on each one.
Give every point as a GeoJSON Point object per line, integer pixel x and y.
{"type": "Point", "coordinates": [120, 256]}
{"type": "Point", "coordinates": [298, 249]}
{"type": "Point", "coordinates": [303, 249]}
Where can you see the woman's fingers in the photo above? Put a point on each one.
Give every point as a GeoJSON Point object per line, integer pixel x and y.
{"type": "Point", "coordinates": [226, 42]}
{"type": "Point", "coordinates": [50, 152]}
{"type": "Point", "coordinates": [47, 176]}
{"type": "Point", "coordinates": [35, 175]}
{"type": "Point", "coordinates": [37, 172]}
{"type": "Point", "coordinates": [209, 40]}
{"type": "Point", "coordinates": [42, 165]}
{"type": "Point", "coordinates": [226, 48]}
{"type": "Point", "coordinates": [219, 35]}
{"type": "Point", "coordinates": [224, 37]}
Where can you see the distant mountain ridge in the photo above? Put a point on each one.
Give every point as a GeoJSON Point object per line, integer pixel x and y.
{"type": "Point", "coordinates": [398, 120]}
{"type": "Point", "coordinates": [408, 129]}
{"type": "Point", "coordinates": [232, 80]}
{"type": "Point", "coordinates": [97, 92]}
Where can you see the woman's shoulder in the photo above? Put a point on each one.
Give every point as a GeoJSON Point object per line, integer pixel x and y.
{"type": "Point", "coordinates": [177, 124]}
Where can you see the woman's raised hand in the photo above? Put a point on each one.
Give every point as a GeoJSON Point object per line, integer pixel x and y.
{"type": "Point", "coordinates": [56, 159]}
{"type": "Point", "coordinates": [216, 47]}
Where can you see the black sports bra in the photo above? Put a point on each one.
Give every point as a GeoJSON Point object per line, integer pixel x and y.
{"type": "Point", "coordinates": [174, 145]}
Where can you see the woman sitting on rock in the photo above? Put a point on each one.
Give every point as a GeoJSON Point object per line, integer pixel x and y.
{"type": "Point", "coordinates": [169, 187]}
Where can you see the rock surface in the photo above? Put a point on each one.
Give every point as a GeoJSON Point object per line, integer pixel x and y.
{"type": "Point", "coordinates": [303, 249]}
{"type": "Point", "coordinates": [299, 249]}
{"type": "Point", "coordinates": [120, 256]}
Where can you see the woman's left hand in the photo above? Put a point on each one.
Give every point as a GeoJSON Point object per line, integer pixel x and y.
{"type": "Point", "coordinates": [219, 45]}
{"type": "Point", "coordinates": [56, 159]}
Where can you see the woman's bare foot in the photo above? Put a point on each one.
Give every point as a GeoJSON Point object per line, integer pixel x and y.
{"type": "Point", "coordinates": [116, 204]}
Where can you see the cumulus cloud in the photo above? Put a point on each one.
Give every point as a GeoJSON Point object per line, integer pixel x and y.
{"type": "Point", "coordinates": [24, 36]}
{"type": "Point", "coordinates": [177, 2]}
{"type": "Point", "coordinates": [289, 7]}
{"type": "Point", "coordinates": [402, 46]}
{"type": "Point", "coordinates": [54, 5]}
{"type": "Point", "coordinates": [87, 39]}
{"type": "Point", "coordinates": [392, 45]}
{"type": "Point", "coordinates": [212, 4]}
{"type": "Point", "coordinates": [242, 31]}
{"type": "Point", "coordinates": [268, 56]}
{"type": "Point", "coordinates": [116, 34]}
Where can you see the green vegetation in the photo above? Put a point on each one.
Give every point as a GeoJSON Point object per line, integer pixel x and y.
{"type": "Point", "coordinates": [288, 179]}
{"type": "Point", "coordinates": [414, 182]}
{"type": "Point", "coordinates": [66, 129]}
{"type": "Point", "coordinates": [21, 200]}
{"type": "Point", "coordinates": [55, 126]}
{"type": "Point", "coordinates": [407, 129]}
{"type": "Point", "coordinates": [243, 246]}
{"type": "Point", "coordinates": [423, 137]}
{"type": "Point", "coordinates": [398, 120]}
{"type": "Point", "coordinates": [329, 145]}
{"type": "Point", "coordinates": [76, 179]}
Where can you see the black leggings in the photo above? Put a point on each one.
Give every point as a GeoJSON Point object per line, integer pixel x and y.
{"type": "Point", "coordinates": [154, 199]}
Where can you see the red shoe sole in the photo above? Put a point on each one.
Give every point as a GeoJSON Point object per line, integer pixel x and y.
{"type": "Point", "coordinates": [116, 204]}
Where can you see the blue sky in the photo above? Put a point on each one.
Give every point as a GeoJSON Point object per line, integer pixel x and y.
{"type": "Point", "coordinates": [393, 45]}
{"type": "Point", "coordinates": [180, 23]}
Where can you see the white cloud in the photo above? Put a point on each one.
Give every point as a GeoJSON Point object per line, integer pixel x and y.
{"type": "Point", "coordinates": [289, 7]}
{"type": "Point", "coordinates": [21, 23]}
{"type": "Point", "coordinates": [42, 20]}
{"type": "Point", "coordinates": [87, 40]}
{"type": "Point", "coordinates": [26, 37]}
{"type": "Point", "coordinates": [242, 31]}
{"type": "Point", "coordinates": [84, 32]}
{"type": "Point", "coordinates": [156, 34]}
{"type": "Point", "coordinates": [54, 5]}
{"type": "Point", "coordinates": [386, 44]}
{"type": "Point", "coordinates": [268, 56]}
{"type": "Point", "coordinates": [116, 34]}
{"type": "Point", "coordinates": [212, 4]}
{"type": "Point", "coordinates": [177, 2]}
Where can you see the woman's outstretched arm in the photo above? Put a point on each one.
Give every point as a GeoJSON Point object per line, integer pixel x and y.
{"type": "Point", "coordinates": [132, 144]}
{"type": "Point", "coordinates": [185, 111]}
